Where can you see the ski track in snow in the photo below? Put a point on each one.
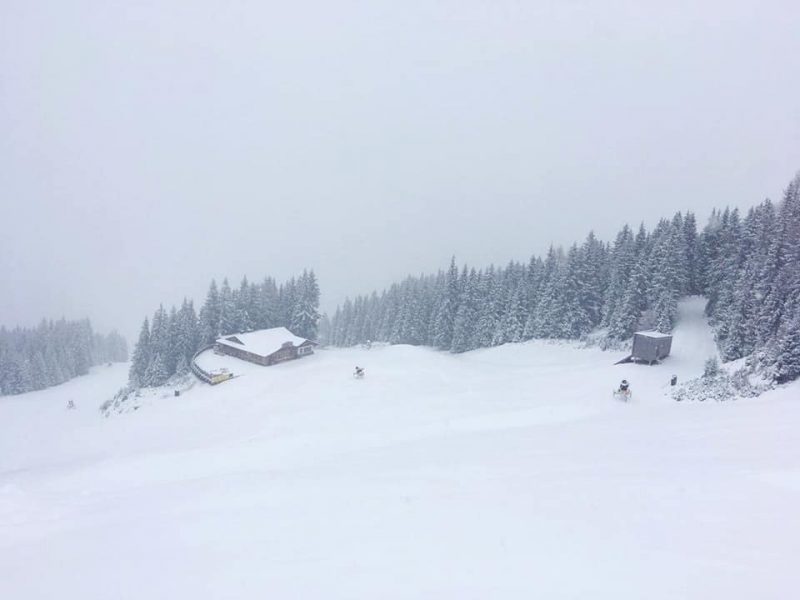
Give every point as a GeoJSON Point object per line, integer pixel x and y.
{"type": "Point", "coordinates": [501, 473]}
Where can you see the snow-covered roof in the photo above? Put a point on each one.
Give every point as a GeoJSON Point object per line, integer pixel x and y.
{"type": "Point", "coordinates": [262, 342]}
{"type": "Point", "coordinates": [653, 334]}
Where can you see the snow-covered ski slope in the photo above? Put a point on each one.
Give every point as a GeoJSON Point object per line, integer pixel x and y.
{"type": "Point", "coordinates": [501, 473]}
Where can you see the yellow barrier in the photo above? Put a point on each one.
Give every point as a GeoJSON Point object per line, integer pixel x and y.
{"type": "Point", "coordinates": [220, 378]}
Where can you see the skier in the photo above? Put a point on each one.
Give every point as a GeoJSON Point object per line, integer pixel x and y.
{"type": "Point", "coordinates": [359, 372]}
{"type": "Point", "coordinates": [70, 405]}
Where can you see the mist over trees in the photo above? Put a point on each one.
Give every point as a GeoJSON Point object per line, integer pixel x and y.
{"type": "Point", "coordinates": [748, 267]}
{"type": "Point", "coordinates": [168, 341]}
{"type": "Point", "coordinates": [52, 353]}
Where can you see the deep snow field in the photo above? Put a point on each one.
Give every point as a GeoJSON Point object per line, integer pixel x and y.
{"type": "Point", "coordinates": [501, 473]}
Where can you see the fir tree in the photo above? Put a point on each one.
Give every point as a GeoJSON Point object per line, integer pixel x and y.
{"type": "Point", "coordinates": [572, 319]}
{"type": "Point", "coordinates": [446, 309]}
{"type": "Point", "coordinates": [210, 315]}
{"type": "Point", "coordinates": [305, 313]}
{"type": "Point", "coordinates": [228, 317]}
{"type": "Point", "coordinates": [787, 352]}
{"type": "Point", "coordinates": [141, 357]}
{"type": "Point", "coordinates": [267, 304]}
{"type": "Point", "coordinates": [464, 324]}
{"type": "Point", "coordinates": [245, 309]}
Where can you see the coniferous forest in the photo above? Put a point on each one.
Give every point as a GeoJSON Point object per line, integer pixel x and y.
{"type": "Point", "coordinates": [748, 266]}
{"type": "Point", "coordinates": [168, 341]}
{"type": "Point", "coordinates": [52, 353]}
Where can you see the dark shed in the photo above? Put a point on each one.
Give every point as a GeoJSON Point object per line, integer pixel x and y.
{"type": "Point", "coordinates": [650, 346]}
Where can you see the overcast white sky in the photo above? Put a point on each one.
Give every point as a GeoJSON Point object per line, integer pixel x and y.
{"type": "Point", "coordinates": [148, 146]}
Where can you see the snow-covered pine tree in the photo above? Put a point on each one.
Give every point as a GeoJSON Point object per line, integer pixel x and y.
{"type": "Point", "coordinates": [766, 292]}
{"type": "Point", "coordinates": [359, 335]}
{"type": "Point", "coordinates": [694, 284]}
{"type": "Point", "coordinates": [228, 318]}
{"type": "Point", "coordinates": [533, 281]}
{"type": "Point", "coordinates": [414, 326]}
{"type": "Point", "coordinates": [786, 351]}
{"type": "Point", "coordinates": [490, 302]}
{"type": "Point", "coordinates": [464, 324]}
{"type": "Point", "coordinates": [547, 313]}
{"type": "Point", "coordinates": [723, 261]}
{"type": "Point", "coordinates": [324, 333]}
{"type": "Point", "coordinates": [267, 304]}
{"type": "Point", "coordinates": [18, 378]}
{"type": "Point", "coordinates": [371, 319]}
{"type": "Point", "coordinates": [243, 308]}
{"type": "Point", "coordinates": [593, 274]}
{"type": "Point", "coordinates": [391, 300]}
{"type": "Point", "coordinates": [210, 315]}
{"type": "Point", "coordinates": [336, 337]}
{"type": "Point", "coordinates": [54, 372]}
{"type": "Point", "coordinates": [141, 357]}
{"type": "Point", "coordinates": [511, 309]}
{"type": "Point", "coordinates": [345, 324]}
{"type": "Point", "coordinates": [679, 254]}
{"type": "Point", "coordinates": [157, 371]}
{"type": "Point", "coordinates": [81, 339]}
{"type": "Point", "coordinates": [789, 275]}
{"type": "Point", "coordinates": [668, 268]}
{"type": "Point", "coordinates": [188, 338]}
{"type": "Point", "coordinates": [740, 320]}
{"type": "Point", "coordinates": [287, 297]}
{"type": "Point", "coordinates": [621, 261]}
{"type": "Point", "coordinates": [446, 307]}
{"type": "Point", "coordinates": [571, 318]}
{"type": "Point", "coordinates": [305, 312]}
{"type": "Point", "coordinates": [512, 322]}
{"type": "Point", "coordinates": [39, 377]}
{"type": "Point", "coordinates": [172, 350]}
{"type": "Point", "coordinates": [625, 319]}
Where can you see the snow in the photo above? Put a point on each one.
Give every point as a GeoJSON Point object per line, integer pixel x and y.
{"type": "Point", "coordinates": [692, 340]}
{"type": "Point", "coordinates": [653, 334]}
{"type": "Point", "coordinates": [501, 473]}
{"type": "Point", "coordinates": [211, 362]}
{"type": "Point", "coordinates": [264, 341]}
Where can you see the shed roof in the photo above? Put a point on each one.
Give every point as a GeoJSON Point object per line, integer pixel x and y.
{"type": "Point", "coordinates": [653, 334]}
{"type": "Point", "coordinates": [262, 342]}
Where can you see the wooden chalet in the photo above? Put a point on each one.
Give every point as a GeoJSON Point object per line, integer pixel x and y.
{"type": "Point", "coordinates": [266, 346]}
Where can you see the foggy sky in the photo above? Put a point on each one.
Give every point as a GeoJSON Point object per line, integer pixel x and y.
{"type": "Point", "coordinates": [146, 147]}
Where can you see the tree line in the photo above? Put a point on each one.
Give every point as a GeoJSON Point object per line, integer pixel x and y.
{"type": "Point", "coordinates": [52, 353]}
{"type": "Point", "coordinates": [748, 267]}
{"type": "Point", "coordinates": [168, 341]}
